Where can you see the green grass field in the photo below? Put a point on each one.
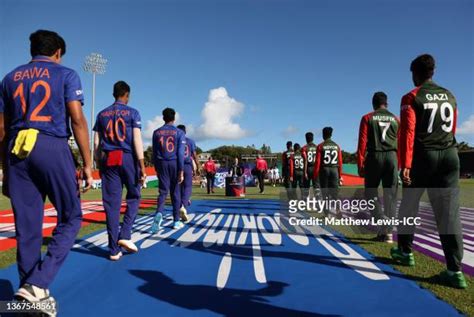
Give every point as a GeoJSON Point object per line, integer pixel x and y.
{"type": "Point", "coordinates": [424, 273]}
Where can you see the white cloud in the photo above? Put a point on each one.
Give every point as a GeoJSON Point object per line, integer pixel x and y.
{"type": "Point", "coordinates": [289, 131]}
{"type": "Point", "coordinates": [218, 115]}
{"type": "Point", "coordinates": [467, 127]}
{"type": "Point", "coordinates": [152, 125]}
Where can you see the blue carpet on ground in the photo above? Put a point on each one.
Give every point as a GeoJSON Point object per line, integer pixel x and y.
{"type": "Point", "coordinates": [234, 258]}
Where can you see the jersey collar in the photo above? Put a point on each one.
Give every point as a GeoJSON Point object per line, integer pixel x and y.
{"type": "Point", "coordinates": [41, 58]}
{"type": "Point", "coordinates": [120, 103]}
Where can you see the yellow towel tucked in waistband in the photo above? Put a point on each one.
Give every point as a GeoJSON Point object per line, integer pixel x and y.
{"type": "Point", "coordinates": [25, 142]}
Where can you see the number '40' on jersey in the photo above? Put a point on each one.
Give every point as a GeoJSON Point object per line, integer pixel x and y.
{"type": "Point", "coordinates": [115, 126]}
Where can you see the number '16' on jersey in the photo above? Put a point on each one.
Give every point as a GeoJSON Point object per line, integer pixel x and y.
{"type": "Point", "coordinates": [169, 144]}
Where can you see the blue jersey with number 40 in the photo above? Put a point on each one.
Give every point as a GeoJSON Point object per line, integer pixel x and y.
{"type": "Point", "coordinates": [35, 95]}
{"type": "Point", "coordinates": [115, 126]}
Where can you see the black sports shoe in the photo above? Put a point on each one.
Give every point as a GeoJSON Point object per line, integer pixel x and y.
{"type": "Point", "coordinates": [35, 294]}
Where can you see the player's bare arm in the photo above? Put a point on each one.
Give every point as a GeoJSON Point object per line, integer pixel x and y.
{"type": "Point", "coordinates": [181, 145]}
{"type": "Point", "coordinates": [196, 165]}
{"type": "Point", "coordinates": [97, 149]}
{"type": "Point", "coordinates": [80, 130]}
{"type": "Point", "coordinates": [138, 146]}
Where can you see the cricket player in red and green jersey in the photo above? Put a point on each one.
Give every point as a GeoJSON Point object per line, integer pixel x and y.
{"type": "Point", "coordinates": [298, 168]}
{"type": "Point", "coordinates": [41, 101]}
{"type": "Point", "coordinates": [310, 151]}
{"type": "Point", "coordinates": [429, 159]}
{"type": "Point", "coordinates": [287, 164]}
{"type": "Point", "coordinates": [328, 167]}
{"type": "Point", "coordinates": [377, 159]}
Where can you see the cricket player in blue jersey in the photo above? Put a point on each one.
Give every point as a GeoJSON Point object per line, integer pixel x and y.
{"type": "Point", "coordinates": [119, 155]}
{"type": "Point", "coordinates": [190, 165]}
{"type": "Point", "coordinates": [39, 99]}
{"type": "Point", "coordinates": [168, 157]}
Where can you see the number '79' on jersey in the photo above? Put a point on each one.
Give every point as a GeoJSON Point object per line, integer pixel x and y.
{"type": "Point", "coordinates": [428, 121]}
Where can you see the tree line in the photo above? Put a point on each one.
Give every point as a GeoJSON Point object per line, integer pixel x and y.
{"type": "Point", "coordinates": [228, 152]}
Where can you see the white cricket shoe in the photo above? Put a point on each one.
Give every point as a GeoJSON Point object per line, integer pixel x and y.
{"type": "Point", "coordinates": [183, 214]}
{"type": "Point", "coordinates": [115, 257]}
{"type": "Point", "coordinates": [128, 245]}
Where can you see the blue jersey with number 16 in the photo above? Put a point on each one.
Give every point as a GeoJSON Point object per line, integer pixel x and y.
{"type": "Point", "coordinates": [169, 144]}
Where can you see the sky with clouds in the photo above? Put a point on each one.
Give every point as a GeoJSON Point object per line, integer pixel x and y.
{"type": "Point", "coordinates": [254, 72]}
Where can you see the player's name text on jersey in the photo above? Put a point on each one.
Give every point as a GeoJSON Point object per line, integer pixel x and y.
{"type": "Point", "coordinates": [437, 97]}
{"type": "Point", "coordinates": [111, 113]}
{"type": "Point", "coordinates": [31, 73]}
{"type": "Point", "coordinates": [167, 132]}
{"type": "Point", "coordinates": [383, 118]}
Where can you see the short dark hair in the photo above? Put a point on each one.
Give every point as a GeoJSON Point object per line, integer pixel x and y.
{"type": "Point", "coordinates": [169, 115]}
{"type": "Point", "coordinates": [309, 137]}
{"type": "Point", "coordinates": [182, 127]}
{"type": "Point", "coordinates": [120, 89]}
{"type": "Point", "coordinates": [297, 146]}
{"type": "Point", "coordinates": [289, 144]}
{"type": "Point", "coordinates": [43, 42]}
{"type": "Point", "coordinates": [379, 99]}
{"type": "Point", "coordinates": [327, 133]}
{"type": "Point", "coordinates": [423, 66]}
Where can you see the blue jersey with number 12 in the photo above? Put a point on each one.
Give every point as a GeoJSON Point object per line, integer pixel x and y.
{"type": "Point", "coordinates": [115, 126]}
{"type": "Point", "coordinates": [35, 96]}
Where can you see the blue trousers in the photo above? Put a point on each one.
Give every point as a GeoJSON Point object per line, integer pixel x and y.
{"type": "Point", "coordinates": [168, 183]}
{"type": "Point", "coordinates": [114, 178]}
{"type": "Point", "coordinates": [187, 185]}
{"type": "Point", "coordinates": [48, 171]}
